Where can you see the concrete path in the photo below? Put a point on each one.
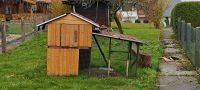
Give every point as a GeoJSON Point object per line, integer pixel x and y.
{"type": "Point", "coordinates": [175, 69]}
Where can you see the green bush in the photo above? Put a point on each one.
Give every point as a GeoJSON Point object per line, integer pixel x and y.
{"type": "Point", "coordinates": [146, 21]}
{"type": "Point", "coordinates": [188, 11]}
{"type": "Point", "coordinates": [137, 21]}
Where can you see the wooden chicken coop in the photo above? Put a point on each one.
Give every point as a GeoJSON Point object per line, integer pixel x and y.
{"type": "Point", "coordinates": [67, 35]}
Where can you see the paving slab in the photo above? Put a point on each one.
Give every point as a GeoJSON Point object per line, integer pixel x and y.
{"type": "Point", "coordinates": [178, 83]}
{"type": "Point", "coordinates": [174, 75]}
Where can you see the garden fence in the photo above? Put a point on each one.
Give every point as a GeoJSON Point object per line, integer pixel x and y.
{"type": "Point", "coordinates": [189, 38]}
{"type": "Point", "coordinates": [16, 31]}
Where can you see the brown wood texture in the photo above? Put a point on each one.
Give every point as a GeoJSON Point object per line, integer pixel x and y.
{"type": "Point", "coordinates": [67, 32]}
{"type": "Point", "coordinates": [85, 35]}
{"type": "Point", "coordinates": [63, 62]}
{"type": "Point", "coordinates": [65, 37]}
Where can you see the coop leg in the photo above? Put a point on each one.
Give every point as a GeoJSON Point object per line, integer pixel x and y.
{"type": "Point", "coordinates": [109, 68]}
{"type": "Point", "coordinates": [127, 67]}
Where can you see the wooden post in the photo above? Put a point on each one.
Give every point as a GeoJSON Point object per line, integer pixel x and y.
{"type": "Point", "coordinates": [109, 67]}
{"type": "Point", "coordinates": [34, 26]}
{"type": "Point", "coordinates": [43, 20]}
{"type": "Point", "coordinates": [22, 30]}
{"type": "Point", "coordinates": [127, 68]}
{"type": "Point", "coordinates": [189, 40]}
{"type": "Point", "coordinates": [197, 48]}
{"type": "Point", "coordinates": [3, 36]}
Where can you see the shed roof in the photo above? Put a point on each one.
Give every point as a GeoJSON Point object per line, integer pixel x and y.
{"type": "Point", "coordinates": [74, 14]}
{"type": "Point", "coordinates": [119, 36]}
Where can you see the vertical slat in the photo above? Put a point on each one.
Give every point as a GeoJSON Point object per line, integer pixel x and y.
{"type": "Point", "coordinates": [58, 26]}
{"type": "Point", "coordinates": [89, 35]}
{"type": "Point", "coordinates": [81, 35]}
{"type": "Point", "coordinates": [179, 29]}
{"type": "Point", "coordinates": [64, 61]}
{"type": "Point", "coordinates": [57, 61]}
{"type": "Point", "coordinates": [53, 50]}
{"type": "Point", "coordinates": [197, 48]}
{"type": "Point", "coordinates": [63, 36]}
{"type": "Point", "coordinates": [182, 31]}
{"type": "Point", "coordinates": [73, 35]}
{"type": "Point", "coordinates": [77, 61]}
{"type": "Point", "coordinates": [85, 34]}
{"type": "Point", "coordinates": [51, 35]}
{"type": "Point", "coordinates": [60, 61]}
{"type": "Point", "coordinates": [49, 58]}
{"type": "Point", "coordinates": [72, 62]}
{"type": "Point", "coordinates": [189, 41]}
{"type": "Point", "coordinates": [68, 61]}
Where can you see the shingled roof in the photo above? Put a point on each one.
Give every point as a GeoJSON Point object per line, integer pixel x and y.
{"type": "Point", "coordinates": [74, 14]}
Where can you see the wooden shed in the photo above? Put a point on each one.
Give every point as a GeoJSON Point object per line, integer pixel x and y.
{"type": "Point", "coordinates": [67, 35]}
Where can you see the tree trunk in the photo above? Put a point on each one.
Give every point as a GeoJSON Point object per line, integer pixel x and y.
{"type": "Point", "coordinates": [118, 23]}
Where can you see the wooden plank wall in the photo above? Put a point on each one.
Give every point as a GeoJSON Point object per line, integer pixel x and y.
{"type": "Point", "coordinates": [70, 35]}
{"type": "Point", "coordinates": [85, 35]}
{"type": "Point", "coordinates": [63, 61]}
{"type": "Point", "coordinates": [65, 37]}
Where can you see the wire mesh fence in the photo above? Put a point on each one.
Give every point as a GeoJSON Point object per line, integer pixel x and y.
{"type": "Point", "coordinates": [189, 38]}
{"type": "Point", "coordinates": [16, 31]}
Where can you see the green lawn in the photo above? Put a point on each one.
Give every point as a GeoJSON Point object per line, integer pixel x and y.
{"type": "Point", "coordinates": [16, 28]}
{"type": "Point", "coordinates": [25, 67]}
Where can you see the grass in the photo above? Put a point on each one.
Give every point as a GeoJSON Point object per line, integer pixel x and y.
{"type": "Point", "coordinates": [25, 67]}
{"type": "Point", "coordinates": [16, 28]}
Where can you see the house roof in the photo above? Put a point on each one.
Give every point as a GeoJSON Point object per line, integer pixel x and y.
{"type": "Point", "coordinates": [30, 1]}
{"type": "Point", "coordinates": [74, 14]}
{"type": "Point", "coordinates": [119, 36]}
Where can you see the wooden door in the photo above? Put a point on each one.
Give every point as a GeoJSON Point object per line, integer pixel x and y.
{"type": "Point", "coordinates": [69, 35]}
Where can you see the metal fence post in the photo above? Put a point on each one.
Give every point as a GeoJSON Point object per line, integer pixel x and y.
{"type": "Point", "coordinates": [189, 40]}
{"type": "Point", "coordinates": [197, 47]}
{"type": "Point", "coordinates": [178, 29]}
{"type": "Point", "coordinates": [193, 34]}
{"type": "Point", "coordinates": [182, 32]}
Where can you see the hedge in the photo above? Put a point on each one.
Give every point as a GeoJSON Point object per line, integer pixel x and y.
{"type": "Point", "coordinates": [188, 11]}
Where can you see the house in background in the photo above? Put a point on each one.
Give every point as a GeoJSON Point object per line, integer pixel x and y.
{"type": "Point", "coordinates": [128, 16]}
{"type": "Point", "coordinates": [14, 9]}
{"type": "Point", "coordinates": [141, 14]}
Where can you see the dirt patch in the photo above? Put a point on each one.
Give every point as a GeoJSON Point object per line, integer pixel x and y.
{"type": "Point", "coordinates": [11, 37]}
{"type": "Point", "coordinates": [102, 72]}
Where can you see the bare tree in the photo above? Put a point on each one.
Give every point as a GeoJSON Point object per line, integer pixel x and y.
{"type": "Point", "coordinates": [57, 8]}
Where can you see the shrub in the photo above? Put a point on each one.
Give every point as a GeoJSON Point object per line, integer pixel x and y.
{"type": "Point", "coordinates": [137, 21]}
{"type": "Point", "coordinates": [146, 21]}
{"type": "Point", "coordinates": [188, 11]}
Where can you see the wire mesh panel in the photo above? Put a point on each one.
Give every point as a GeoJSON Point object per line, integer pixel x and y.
{"type": "Point", "coordinates": [189, 38]}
